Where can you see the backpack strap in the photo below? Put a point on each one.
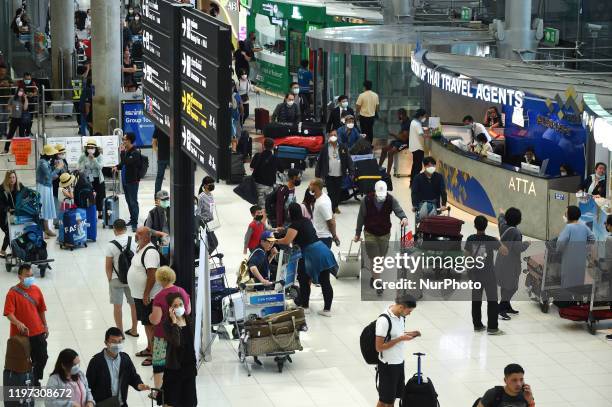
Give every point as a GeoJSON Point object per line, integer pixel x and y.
{"type": "Point", "coordinates": [121, 249]}
{"type": "Point", "coordinates": [388, 336]}
{"type": "Point", "coordinates": [499, 395]}
{"type": "Point", "coordinates": [25, 295]}
{"type": "Point", "coordinates": [144, 253]}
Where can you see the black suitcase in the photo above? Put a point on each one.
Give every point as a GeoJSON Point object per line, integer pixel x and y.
{"type": "Point", "coordinates": [367, 173]}
{"type": "Point", "coordinates": [278, 130]}
{"type": "Point", "coordinates": [311, 129]}
{"type": "Point", "coordinates": [237, 169]}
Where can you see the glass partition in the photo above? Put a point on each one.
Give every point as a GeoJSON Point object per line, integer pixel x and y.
{"type": "Point", "coordinates": [273, 38]}
{"type": "Point", "coordinates": [336, 76]}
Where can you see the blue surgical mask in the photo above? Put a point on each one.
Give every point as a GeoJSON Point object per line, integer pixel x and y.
{"type": "Point", "coordinates": [29, 281]}
{"type": "Point", "coordinates": [74, 370]}
{"type": "Point", "coordinates": [165, 203]}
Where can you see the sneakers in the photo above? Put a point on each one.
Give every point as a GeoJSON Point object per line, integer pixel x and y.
{"type": "Point", "coordinates": [512, 311]}
{"type": "Point", "coordinates": [479, 328]}
{"type": "Point", "coordinates": [504, 317]}
{"type": "Point", "coordinates": [609, 337]}
{"type": "Point", "coordinates": [324, 313]}
{"type": "Point", "coordinates": [495, 332]}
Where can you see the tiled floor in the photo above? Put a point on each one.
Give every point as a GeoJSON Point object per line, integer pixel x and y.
{"type": "Point", "coordinates": [566, 366]}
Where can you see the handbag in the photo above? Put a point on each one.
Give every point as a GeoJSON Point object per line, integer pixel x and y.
{"type": "Point", "coordinates": [247, 190]}
{"type": "Point", "coordinates": [211, 241]}
{"type": "Point", "coordinates": [244, 98]}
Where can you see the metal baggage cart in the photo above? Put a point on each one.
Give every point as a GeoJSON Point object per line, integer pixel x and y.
{"type": "Point", "coordinates": [15, 230]}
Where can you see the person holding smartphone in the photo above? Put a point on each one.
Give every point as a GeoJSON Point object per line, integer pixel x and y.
{"type": "Point", "coordinates": [515, 392]}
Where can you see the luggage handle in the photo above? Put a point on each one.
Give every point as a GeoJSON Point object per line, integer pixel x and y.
{"type": "Point", "coordinates": [419, 372]}
{"type": "Point", "coordinates": [348, 254]}
{"type": "Point", "coordinates": [251, 285]}
{"type": "Point", "coordinates": [276, 341]}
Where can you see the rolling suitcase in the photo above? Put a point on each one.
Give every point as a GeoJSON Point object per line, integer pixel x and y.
{"type": "Point", "coordinates": [110, 209]}
{"type": "Point", "coordinates": [237, 169]}
{"type": "Point", "coordinates": [291, 157]}
{"type": "Point", "coordinates": [73, 232]}
{"type": "Point", "coordinates": [349, 263]}
{"type": "Point", "coordinates": [367, 173]}
{"type": "Point", "coordinates": [311, 129]}
{"type": "Point", "coordinates": [92, 222]}
{"type": "Point", "coordinates": [262, 117]}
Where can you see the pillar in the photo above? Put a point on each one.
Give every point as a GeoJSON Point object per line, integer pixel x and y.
{"type": "Point", "coordinates": [62, 32]}
{"type": "Point", "coordinates": [106, 62]}
{"type": "Point", "coordinates": [518, 32]}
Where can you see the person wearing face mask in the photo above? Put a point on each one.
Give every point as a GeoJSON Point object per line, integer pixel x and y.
{"type": "Point", "coordinates": [8, 196]}
{"type": "Point", "coordinates": [166, 277]}
{"type": "Point", "coordinates": [60, 157]}
{"type": "Point", "coordinates": [17, 105]}
{"type": "Point", "coordinates": [90, 166]}
{"type": "Point", "coordinates": [25, 308]}
{"type": "Point", "coordinates": [130, 15]}
{"type": "Point", "coordinates": [416, 142]}
{"type": "Point", "coordinates": [206, 201]}
{"type": "Point", "coordinates": [288, 111]}
{"type": "Point", "coordinates": [129, 167]}
{"type": "Point", "coordinates": [333, 165]}
{"type": "Point", "coordinates": [337, 116]}
{"type": "Point", "coordinates": [565, 170]}
{"type": "Point", "coordinates": [179, 386]}
{"type": "Point", "coordinates": [595, 184]}
{"type": "Point", "coordinates": [241, 60]}
{"type": "Point", "coordinates": [374, 219]}
{"type": "Point", "coordinates": [300, 100]}
{"type": "Point", "coordinates": [68, 377]}
{"type": "Point", "coordinates": [159, 217]}
{"type": "Point", "coordinates": [255, 229]}
{"type": "Point", "coordinates": [111, 372]}
{"type": "Point", "coordinates": [481, 145]}
{"type": "Point", "coordinates": [46, 171]}
{"type": "Point", "coordinates": [530, 158]}
{"type": "Point", "coordinates": [285, 195]}
{"type": "Point", "coordinates": [349, 134]}
{"type": "Point", "coordinates": [428, 188]}
{"type": "Point", "coordinates": [573, 244]}
{"type": "Point", "coordinates": [245, 89]}
{"type": "Point", "coordinates": [135, 25]}
{"type": "Point", "coordinates": [400, 141]}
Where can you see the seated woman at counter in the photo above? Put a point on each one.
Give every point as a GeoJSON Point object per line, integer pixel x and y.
{"type": "Point", "coordinates": [530, 158]}
{"type": "Point", "coordinates": [595, 184]}
{"type": "Point", "coordinates": [349, 133]}
{"type": "Point", "coordinates": [565, 170]}
{"type": "Point", "coordinates": [287, 112]}
{"type": "Point", "coordinates": [492, 118]}
{"type": "Point", "coordinates": [481, 145]}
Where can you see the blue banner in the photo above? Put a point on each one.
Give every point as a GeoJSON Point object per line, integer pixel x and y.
{"type": "Point", "coordinates": [134, 121]}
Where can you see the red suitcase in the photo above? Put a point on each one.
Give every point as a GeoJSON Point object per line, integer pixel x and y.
{"type": "Point", "coordinates": [446, 226]}
{"type": "Point", "coordinates": [262, 116]}
{"type": "Point", "coordinates": [580, 313]}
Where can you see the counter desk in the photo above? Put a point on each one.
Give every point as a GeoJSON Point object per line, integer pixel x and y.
{"type": "Point", "coordinates": [481, 187]}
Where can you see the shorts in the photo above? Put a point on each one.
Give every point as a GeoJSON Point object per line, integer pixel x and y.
{"type": "Point", "coordinates": [116, 290]}
{"type": "Point", "coordinates": [159, 354]}
{"type": "Point", "coordinates": [391, 382]}
{"type": "Point", "coordinates": [399, 145]}
{"type": "Point", "coordinates": [143, 311]}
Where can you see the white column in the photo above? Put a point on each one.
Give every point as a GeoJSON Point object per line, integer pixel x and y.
{"type": "Point", "coordinates": [62, 37]}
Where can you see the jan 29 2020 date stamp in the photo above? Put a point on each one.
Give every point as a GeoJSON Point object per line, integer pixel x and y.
{"type": "Point", "coordinates": [17, 393]}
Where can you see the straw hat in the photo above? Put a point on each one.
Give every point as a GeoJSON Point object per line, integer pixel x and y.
{"type": "Point", "coordinates": [66, 179]}
{"type": "Point", "coordinates": [48, 149]}
{"type": "Point", "coordinates": [60, 148]}
{"type": "Point", "coordinates": [91, 143]}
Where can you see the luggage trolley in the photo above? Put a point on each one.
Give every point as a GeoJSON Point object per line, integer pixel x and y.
{"type": "Point", "coordinates": [18, 234]}
{"type": "Point", "coordinates": [543, 279]}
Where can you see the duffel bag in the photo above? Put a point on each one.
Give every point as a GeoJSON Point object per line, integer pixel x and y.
{"type": "Point", "coordinates": [281, 343]}
{"type": "Point", "coordinates": [288, 315]}
{"type": "Point", "coordinates": [275, 324]}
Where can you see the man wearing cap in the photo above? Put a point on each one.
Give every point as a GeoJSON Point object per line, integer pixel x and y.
{"type": "Point", "coordinates": [375, 217]}
{"type": "Point", "coordinates": [159, 217]}
{"type": "Point", "coordinates": [61, 157]}
{"type": "Point", "coordinates": [348, 134]}
{"type": "Point", "coordinates": [259, 261]}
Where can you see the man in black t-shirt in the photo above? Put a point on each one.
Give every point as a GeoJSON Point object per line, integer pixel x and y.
{"type": "Point", "coordinates": [482, 247]}
{"type": "Point", "coordinates": [161, 145]}
{"type": "Point", "coordinates": [515, 393]}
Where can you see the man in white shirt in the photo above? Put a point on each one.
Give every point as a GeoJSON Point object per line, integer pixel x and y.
{"type": "Point", "coordinates": [477, 128]}
{"type": "Point", "coordinates": [416, 142]}
{"type": "Point", "coordinates": [323, 214]}
{"type": "Point", "coordinates": [141, 279]}
{"type": "Point", "coordinates": [117, 288]}
{"type": "Point", "coordinates": [390, 344]}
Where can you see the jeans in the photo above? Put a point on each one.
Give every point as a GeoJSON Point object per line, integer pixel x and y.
{"type": "Point", "coordinates": [506, 296]}
{"type": "Point", "coordinates": [131, 197]}
{"type": "Point", "coordinates": [334, 189]}
{"type": "Point", "coordinates": [417, 163]}
{"type": "Point", "coordinates": [367, 127]}
{"type": "Point", "coordinates": [489, 286]}
{"type": "Point", "coordinates": [38, 353]}
{"type": "Point", "coordinates": [161, 170]}
{"type": "Point", "coordinates": [327, 240]}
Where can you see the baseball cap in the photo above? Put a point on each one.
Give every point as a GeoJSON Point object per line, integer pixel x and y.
{"type": "Point", "coordinates": [267, 235]}
{"type": "Point", "coordinates": [381, 189]}
{"type": "Point", "coordinates": [161, 195]}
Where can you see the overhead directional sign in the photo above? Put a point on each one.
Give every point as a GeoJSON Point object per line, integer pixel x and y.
{"type": "Point", "coordinates": [158, 12]}
{"type": "Point", "coordinates": [157, 110]}
{"type": "Point", "coordinates": [203, 114]}
{"type": "Point", "coordinates": [157, 45]}
{"type": "Point", "coordinates": [157, 79]}
{"type": "Point", "coordinates": [201, 34]}
{"type": "Point", "coordinates": [203, 75]}
{"type": "Point", "coordinates": [202, 150]}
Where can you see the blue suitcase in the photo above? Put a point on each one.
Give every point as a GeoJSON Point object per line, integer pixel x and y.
{"type": "Point", "coordinates": [110, 213]}
{"type": "Point", "coordinates": [73, 231]}
{"type": "Point", "coordinates": [289, 157]}
{"type": "Point", "coordinates": [92, 223]}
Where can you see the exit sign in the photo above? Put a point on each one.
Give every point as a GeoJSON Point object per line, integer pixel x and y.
{"type": "Point", "coordinates": [551, 36]}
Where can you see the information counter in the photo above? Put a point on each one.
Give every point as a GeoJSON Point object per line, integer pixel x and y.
{"type": "Point", "coordinates": [481, 187]}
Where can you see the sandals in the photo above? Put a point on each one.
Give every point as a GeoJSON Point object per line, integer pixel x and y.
{"type": "Point", "coordinates": [145, 353]}
{"type": "Point", "coordinates": [147, 362]}
{"type": "Point", "coordinates": [129, 333]}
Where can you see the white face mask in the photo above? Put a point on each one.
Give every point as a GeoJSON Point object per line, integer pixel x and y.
{"type": "Point", "coordinates": [91, 150]}
{"type": "Point", "coordinates": [527, 158]}
{"type": "Point", "coordinates": [430, 170]}
{"type": "Point", "coordinates": [61, 156]}
{"type": "Point", "coordinates": [333, 139]}
{"type": "Point", "coordinates": [344, 105]}
{"type": "Point", "coordinates": [115, 347]}
{"type": "Point", "coordinates": [244, 77]}
{"type": "Point", "coordinates": [563, 173]}
{"type": "Point", "coordinates": [295, 91]}
{"type": "Point", "coordinates": [179, 311]}
{"type": "Point", "coordinates": [290, 103]}
{"type": "Point", "coordinates": [423, 120]}
{"type": "Point", "coordinates": [350, 125]}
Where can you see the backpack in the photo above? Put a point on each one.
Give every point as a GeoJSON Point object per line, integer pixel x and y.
{"type": "Point", "coordinates": [144, 166]}
{"type": "Point", "coordinates": [163, 260]}
{"type": "Point", "coordinates": [124, 261]}
{"type": "Point", "coordinates": [270, 204]}
{"type": "Point", "coordinates": [419, 394]}
{"type": "Point", "coordinates": [244, 275]}
{"type": "Point", "coordinates": [499, 394]}
{"type": "Point", "coordinates": [84, 195]}
{"type": "Point", "coordinates": [367, 341]}
{"type": "Point", "coordinates": [28, 203]}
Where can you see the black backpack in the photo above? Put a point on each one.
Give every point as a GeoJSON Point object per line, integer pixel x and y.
{"type": "Point", "coordinates": [367, 341]}
{"type": "Point", "coordinates": [144, 166]}
{"type": "Point", "coordinates": [418, 392]}
{"type": "Point", "coordinates": [124, 261]}
{"type": "Point", "coordinates": [270, 204]}
{"type": "Point", "coordinates": [163, 260]}
{"type": "Point", "coordinates": [499, 394]}
{"type": "Point", "coordinates": [84, 195]}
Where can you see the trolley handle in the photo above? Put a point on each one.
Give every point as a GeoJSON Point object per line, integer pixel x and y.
{"type": "Point", "coordinates": [272, 284]}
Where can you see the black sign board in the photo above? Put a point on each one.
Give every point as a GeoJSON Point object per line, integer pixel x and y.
{"type": "Point", "coordinates": [157, 110]}
{"type": "Point", "coordinates": [201, 113]}
{"type": "Point", "coordinates": [210, 79]}
{"type": "Point", "coordinates": [200, 34]}
{"type": "Point", "coordinates": [157, 46]}
{"type": "Point", "coordinates": [199, 148]}
{"type": "Point", "coordinates": [157, 79]}
{"type": "Point", "coordinates": [158, 13]}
